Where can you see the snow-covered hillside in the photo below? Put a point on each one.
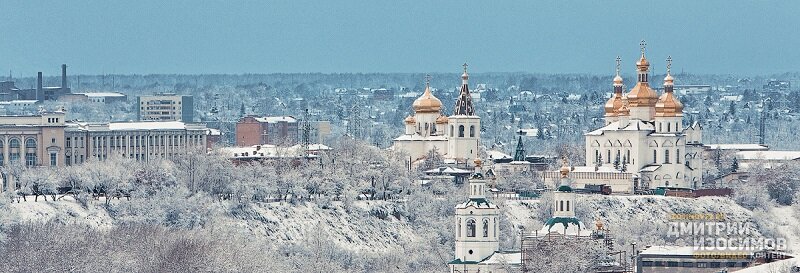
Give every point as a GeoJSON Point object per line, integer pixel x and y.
{"type": "Point", "coordinates": [376, 226]}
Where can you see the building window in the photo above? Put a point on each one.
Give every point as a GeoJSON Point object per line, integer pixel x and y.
{"type": "Point", "coordinates": [655, 156]}
{"type": "Point", "coordinates": [30, 159]}
{"type": "Point", "coordinates": [53, 158]}
{"type": "Point", "coordinates": [471, 228]}
{"type": "Point", "coordinates": [608, 156]}
{"type": "Point", "coordinates": [597, 156]}
{"type": "Point", "coordinates": [460, 130]}
{"type": "Point", "coordinates": [472, 131]}
{"type": "Point", "coordinates": [561, 205]}
{"type": "Point", "coordinates": [669, 125]}
{"type": "Point", "coordinates": [451, 130]}
{"type": "Point", "coordinates": [485, 228]}
{"type": "Point", "coordinates": [30, 152]}
{"type": "Point", "coordinates": [666, 156]}
{"type": "Point", "coordinates": [459, 227]}
{"type": "Point", "coordinates": [678, 156]}
{"type": "Point", "coordinates": [567, 205]}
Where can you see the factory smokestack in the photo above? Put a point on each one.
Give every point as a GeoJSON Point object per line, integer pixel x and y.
{"type": "Point", "coordinates": [38, 85]}
{"type": "Point", "coordinates": [64, 76]}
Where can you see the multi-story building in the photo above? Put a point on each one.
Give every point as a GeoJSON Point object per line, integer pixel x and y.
{"type": "Point", "coordinates": [139, 140]}
{"type": "Point", "coordinates": [47, 140]}
{"type": "Point", "coordinates": [252, 130]}
{"type": "Point", "coordinates": [165, 107]}
{"type": "Point", "coordinates": [36, 140]}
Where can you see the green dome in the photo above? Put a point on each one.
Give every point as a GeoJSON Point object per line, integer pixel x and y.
{"type": "Point", "coordinates": [565, 188]}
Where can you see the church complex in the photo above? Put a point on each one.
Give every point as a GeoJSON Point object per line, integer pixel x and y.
{"type": "Point", "coordinates": [643, 145]}
{"type": "Point", "coordinates": [455, 137]}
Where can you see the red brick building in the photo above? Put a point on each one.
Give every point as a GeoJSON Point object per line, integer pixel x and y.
{"type": "Point", "coordinates": [252, 130]}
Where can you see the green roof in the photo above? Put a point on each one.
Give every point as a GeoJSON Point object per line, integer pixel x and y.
{"type": "Point", "coordinates": [565, 188]}
{"type": "Point", "coordinates": [479, 201]}
{"type": "Point", "coordinates": [562, 220]}
{"type": "Point", "coordinates": [459, 261]}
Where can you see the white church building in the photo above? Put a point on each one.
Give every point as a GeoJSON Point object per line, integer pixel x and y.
{"type": "Point", "coordinates": [644, 143]}
{"type": "Point", "coordinates": [455, 137]}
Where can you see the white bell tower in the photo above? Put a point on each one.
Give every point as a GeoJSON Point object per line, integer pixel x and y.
{"type": "Point", "coordinates": [464, 132]}
{"type": "Point", "coordinates": [476, 222]}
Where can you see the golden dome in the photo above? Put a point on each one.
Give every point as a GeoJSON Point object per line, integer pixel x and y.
{"type": "Point", "coordinates": [669, 106]}
{"type": "Point", "coordinates": [564, 168]}
{"type": "Point", "coordinates": [410, 120]}
{"type": "Point", "coordinates": [442, 120]}
{"type": "Point", "coordinates": [642, 95]}
{"type": "Point", "coordinates": [613, 104]}
{"type": "Point", "coordinates": [643, 64]}
{"type": "Point", "coordinates": [477, 162]}
{"type": "Point", "coordinates": [617, 81]}
{"type": "Point", "coordinates": [427, 103]}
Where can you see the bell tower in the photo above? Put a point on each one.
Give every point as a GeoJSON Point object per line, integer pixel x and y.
{"type": "Point", "coordinates": [464, 132]}
{"type": "Point", "coordinates": [476, 222]}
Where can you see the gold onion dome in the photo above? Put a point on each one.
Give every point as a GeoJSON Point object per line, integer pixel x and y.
{"type": "Point", "coordinates": [617, 80]}
{"type": "Point", "coordinates": [478, 162]}
{"type": "Point", "coordinates": [613, 104]}
{"type": "Point", "coordinates": [442, 120]}
{"type": "Point", "coordinates": [668, 104]}
{"type": "Point", "coordinates": [642, 94]}
{"type": "Point", "coordinates": [564, 168]}
{"type": "Point", "coordinates": [410, 120]}
{"type": "Point", "coordinates": [427, 103]}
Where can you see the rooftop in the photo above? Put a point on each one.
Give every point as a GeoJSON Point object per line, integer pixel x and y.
{"type": "Point", "coordinates": [769, 155]}
{"type": "Point", "coordinates": [740, 147]}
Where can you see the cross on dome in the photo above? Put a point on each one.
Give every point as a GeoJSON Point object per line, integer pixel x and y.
{"type": "Point", "coordinates": [669, 64]}
{"type": "Point", "coordinates": [643, 45]}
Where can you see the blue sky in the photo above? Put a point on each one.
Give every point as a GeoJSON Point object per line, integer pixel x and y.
{"type": "Point", "coordinates": [190, 37]}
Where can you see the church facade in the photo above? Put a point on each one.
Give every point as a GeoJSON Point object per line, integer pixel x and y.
{"type": "Point", "coordinates": [644, 143]}
{"type": "Point", "coordinates": [455, 137]}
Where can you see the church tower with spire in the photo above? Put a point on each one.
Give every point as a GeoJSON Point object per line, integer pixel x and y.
{"type": "Point", "coordinates": [464, 130]}
{"type": "Point", "coordinates": [476, 222]}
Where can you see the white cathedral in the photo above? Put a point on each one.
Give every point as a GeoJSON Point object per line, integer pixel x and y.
{"type": "Point", "coordinates": [455, 137]}
{"type": "Point", "coordinates": [644, 143]}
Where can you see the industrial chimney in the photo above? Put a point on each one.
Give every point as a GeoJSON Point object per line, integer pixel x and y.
{"type": "Point", "coordinates": [64, 76]}
{"type": "Point", "coordinates": [38, 85]}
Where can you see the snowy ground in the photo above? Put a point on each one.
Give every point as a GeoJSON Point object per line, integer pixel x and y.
{"type": "Point", "coordinates": [360, 230]}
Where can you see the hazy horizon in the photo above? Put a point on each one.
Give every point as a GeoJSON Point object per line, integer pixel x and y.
{"type": "Point", "coordinates": [183, 37]}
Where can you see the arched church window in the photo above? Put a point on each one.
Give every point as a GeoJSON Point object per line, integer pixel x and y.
{"type": "Point", "coordinates": [567, 205]}
{"type": "Point", "coordinates": [669, 127]}
{"type": "Point", "coordinates": [460, 130]}
{"type": "Point", "coordinates": [459, 227]}
{"type": "Point", "coordinates": [597, 156]}
{"type": "Point", "coordinates": [561, 205]}
{"type": "Point", "coordinates": [666, 156]}
{"type": "Point", "coordinates": [678, 156]}
{"type": "Point", "coordinates": [472, 131]}
{"type": "Point", "coordinates": [471, 228]}
{"type": "Point", "coordinates": [451, 130]}
{"type": "Point", "coordinates": [655, 156]}
{"type": "Point", "coordinates": [608, 157]}
{"type": "Point", "coordinates": [485, 228]}
{"type": "Point", "coordinates": [628, 156]}
{"type": "Point", "coordinates": [494, 228]}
